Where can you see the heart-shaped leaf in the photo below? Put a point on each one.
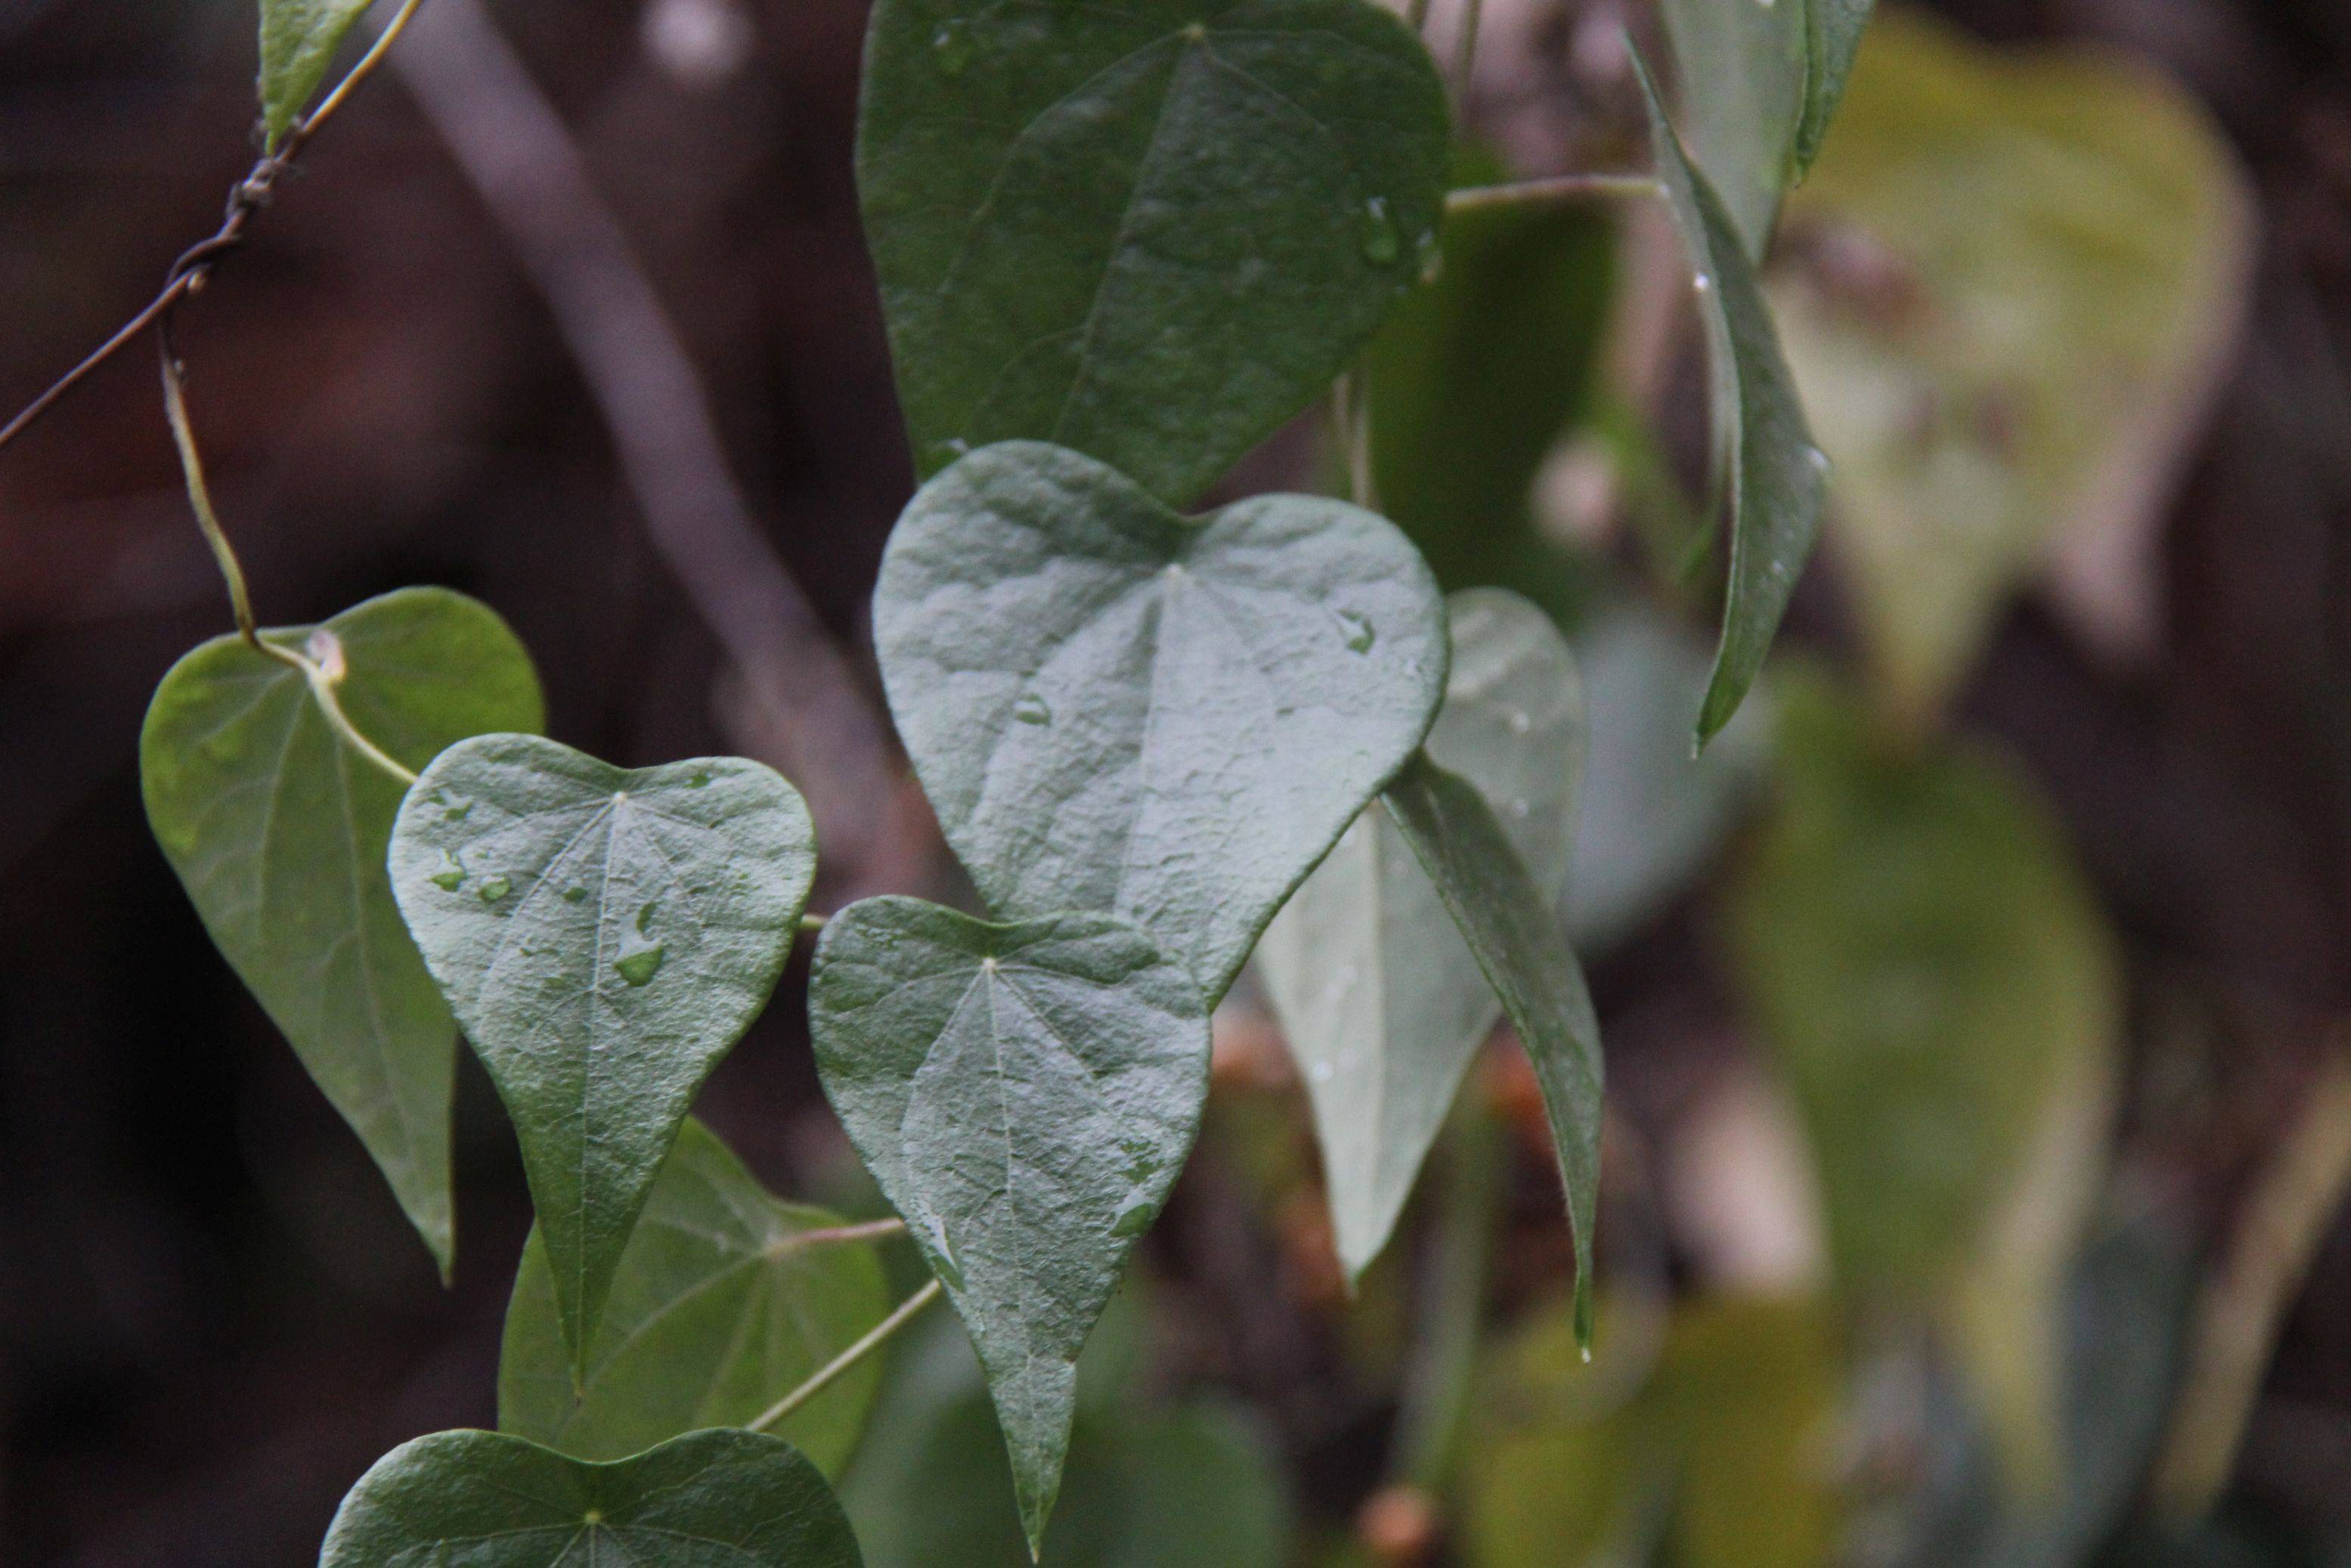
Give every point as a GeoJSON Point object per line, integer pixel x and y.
{"type": "Point", "coordinates": [711, 1500]}
{"type": "Point", "coordinates": [1384, 1004]}
{"type": "Point", "coordinates": [299, 42]}
{"type": "Point", "coordinates": [1025, 1095]}
{"type": "Point", "coordinates": [277, 831]}
{"type": "Point", "coordinates": [1113, 707]}
{"type": "Point", "coordinates": [1777, 475]}
{"type": "Point", "coordinates": [604, 935]}
{"type": "Point", "coordinates": [1511, 928]}
{"type": "Point", "coordinates": [725, 1301]}
{"type": "Point", "coordinates": [1151, 232]}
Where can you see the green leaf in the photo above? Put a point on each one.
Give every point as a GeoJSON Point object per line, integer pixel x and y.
{"type": "Point", "coordinates": [277, 831]}
{"type": "Point", "coordinates": [605, 937]}
{"type": "Point", "coordinates": [1383, 1002]}
{"type": "Point", "coordinates": [2055, 250]}
{"type": "Point", "coordinates": [1474, 378]}
{"type": "Point", "coordinates": [1113, 707]}
{"type": "Point", "coordinates": [712, 1500]}
{"type": "Point", "coordinates": [1025, 1095]}
{"type": "Point", "coordinates": [1151, 233]}
{"type": "Point", "coordinates": [1776, 473]}
{"type": "Point", "coordinates": [1511, 928]}
{"type": "Point", "coordinates": [1742, 66]}
{"type": "Point", "coordinates": [725, 1301]}
{"type": "Point", "coordinates": [299, 41]}
{"type": "Point", "coordinates": [1832, 31]}
{"type": "Point", "coordinates": [1915, 943]}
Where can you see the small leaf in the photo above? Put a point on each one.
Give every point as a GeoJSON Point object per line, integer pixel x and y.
{"type": "Point", "coordinates": [299, 41]}
{"type": "Point", "coordinates": [277, 831]}
{"type": "Point", "coordinates": [711, 1500]}
{"type": "Point", "coordinates": [722, 1305]}
{"type": "Point", "coordinates": [1777, 475]}
{"type": "Point", "coordinates": [1384, 1004]}
{"type": "Point", "coordinates": [1025, 1095]}
{"type": "Point", "coordinates": [605, 937]}
{"type": "Point", "coordinates": [1511, 928]}
{"type": "Point", "coordinates": [1150, 232]}
{"type": "Point", "coordinates": [1113, 707]}
{"type": "Point", "coordinates": [1832, 31]}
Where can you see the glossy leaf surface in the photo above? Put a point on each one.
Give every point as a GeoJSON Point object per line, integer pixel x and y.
{"type": "Point", "coordinates": [712, 1500]}
{"type": "Point", "coordinates": [1742, 69]}
{"type": "Point", "coordinates": [1778, 477]}
{"type": "Point", "coordinates": [277, 829]}
{"type": "Point", "coordinates": [1150, 232]}
{"type": "Point", "coordinates": [1113, 707]}
{"type": "Point", "coordinates": [299, 39]}
{"type": "Point", "coordinates": [1025, 1096]}
{"type": "Point", "coordinates": [1383, 1002]}
{"type": "Point", "coordinates": [604, 935]}
{"type": "Point", "coordinates": [726, 1299]}
{"type": "Point", "coordinates": [1510, 926]}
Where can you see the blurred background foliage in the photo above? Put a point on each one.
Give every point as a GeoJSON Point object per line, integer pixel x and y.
{"type": "Point", "coordinates": [1979, 1007]}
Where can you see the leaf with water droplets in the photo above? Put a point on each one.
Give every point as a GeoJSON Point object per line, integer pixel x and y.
{"type": "Point", "coordinates": [1116, 707]}
{"type": "Point", "coordinates": [1150, 232]}
{"type": "Point", "coordinates": [1025, 1095]}
{"type": "Point", "coordinates": [489, 1500]}
{"type": "Point", "coordinates": [277, 829]}
{"type": "Point", "coordinates": [1778, 477]}
{"type": "Point", "coordinates": [599, 1016]}
{"type": "Point", "coordinates": [299, 41]}
{"type": "Point", "coordinates": [1509, 926]}
{"type": "Point", "coordinates": [726, 1300]}
{"type": "Point", "coordinates": [1383, 1002]}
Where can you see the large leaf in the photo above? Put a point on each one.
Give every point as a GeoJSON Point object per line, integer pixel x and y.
{"type": "Point", "coordinates": [277, 829]}
{"type": "Point", "coordinates": [1024, 1095]}
{"type": "Point", "coordinates": [1742, 68]}
{"type": "Point", "coordinates": [725, 1301]}
{"type": "Point", "coordinates": [1777, 475]}
{"type": "Point", "coordinates": [712, 1500]}
{"type": "Point", "coordinates": [1151, 233]}
{"type": "Point", "coordinates": [2055, 252]}
{"type": "Point", "coordinates": [299, 41]}
{"type": "Point", "coordinates": [605, 937]}
{"type": "Point", "coordinates": [1113, 707]}
{"type": "Point", "coordinates": [1511, 928]}
{"type": "Point", "coordinates": [1383, 1002]}
{"type": "Point", "coordinates": [1917, 946]}
{"type": "Point", "coordinates": [1474, 378]}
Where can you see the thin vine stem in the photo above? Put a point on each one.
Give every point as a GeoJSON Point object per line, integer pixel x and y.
{"type": "Point", "coordinates": [823, 1378]}
{"type": "Point", "coordinates": [195, 265]}
{"type": "Point", "coordinates": [811, 924]}
{"type": "Point", "coordinates": [837, 1235]}
{"type": "Point", "coordinates": [1551, 190]}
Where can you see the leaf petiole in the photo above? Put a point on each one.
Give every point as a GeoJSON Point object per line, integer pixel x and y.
{"type": "Point", "coordinates": [906, 1312]}
{"type": "Point", "coordinates": [1555, 188]}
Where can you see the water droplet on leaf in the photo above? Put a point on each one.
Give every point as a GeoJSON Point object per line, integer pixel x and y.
{"type": "Point", "coordinates": [700, 782]}
{"type": "Point", "coordinates": [1356, 630]}
{"type": "Point", "coordinates": [495, 888]}
{"type": "Point", "coordinates": [1032, 709]}
{"type": "Point", "coordinates": [574, 895]}
{"type": "Point", "coordinates": [952, 46]}
{"type": "Point", "coordinates": [451, 874]}
{"type": "Point", "coordinates": [1381, 244]}
{"type": "Point", "coordinates": [645, 917]}
{"type": "Point", "coordinates": [1520, 722]}
{"type": "Point", "coordinates": [1135, 1219]}
{"type": "Point", "coordinates": [639, 968]}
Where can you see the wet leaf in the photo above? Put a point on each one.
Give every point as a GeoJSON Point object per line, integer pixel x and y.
{"type": "Point", "coordinates": [604, 935]}
{"type": "Point", "coordinates": [1024, 1095]}
{"type": "Point", "coordinates": [1383, 1002]}
{"type": "Point", "coordinates": [1150, 232]}
{"type": "Point", "coordinates": [1776, 476]}
{"type": "Point", "coordinates": [277, 831]}
{"type": "Point", "coordinates": [712, 1500]}
{"type": "Point", "coordinates": [726, 1300]}
{"type": "Point", "coordinates": [1115, 708]}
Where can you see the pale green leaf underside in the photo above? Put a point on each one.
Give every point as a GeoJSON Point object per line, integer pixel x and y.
{"type": "Point", "coordinates": [1742, 68]}
{"type": "Point", "coordinates": [1025, 1095]}
{"type": "Point", "coordinates": [1382, 1000]}
{"type": "Point", "coordinates": [483, 1499]}
{"type": "Point", "coordinates": [720, 1307]}
{"type": "Point", "coordinates": [1150, 232]}
{"type": "Point", "coordinates": [1776, 476]}
{"type": "Point", "coordinates": [299, 39]}
{"type": "Point", "coordinates": [1115, 708]}
{"type": "Point", "coordinates": [604, 936]}
{"type": "Point", "coordinates": [277, 831]}
{"type": "Point", "coordinates": [1509, 926]}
